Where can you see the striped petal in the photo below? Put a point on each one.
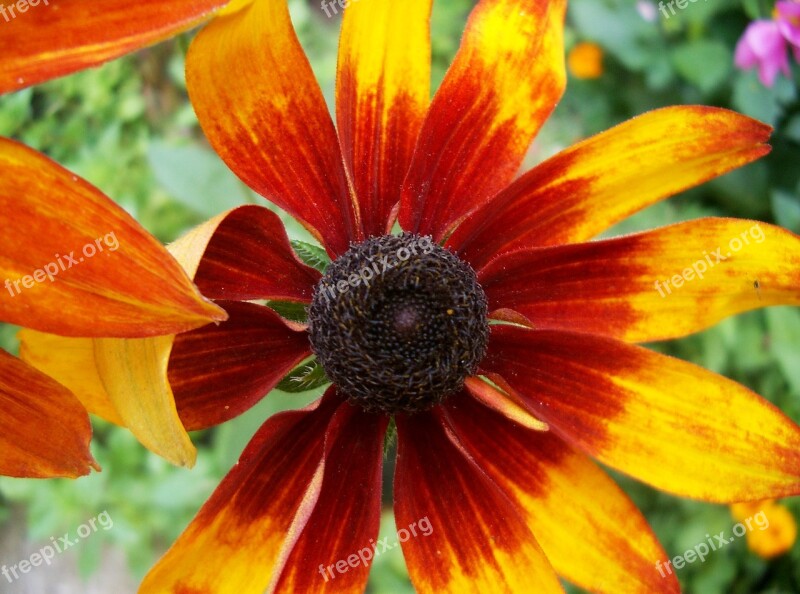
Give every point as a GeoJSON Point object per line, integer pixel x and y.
{"type": "Point", "coordinates": [335, 549]}
{"type": "Point", "coordinates": [382, 94]}
{"type": "Point", "coordinates": [581, 518]}
{"type": "Point", "coordinates": [477, 541]}
{"type": "Point", "coordinates": [56, 37]}
{"type": "Point", "coordinates": [76, 264]}
{"type": "Point", "coordinates": [661, 284]}
{"type": "Point", "coordinates": [219, 372]}
{"type": "Point", "coordinates": [238, 541]}
{"type": "Point", "coordinates": [248, 256]}
{"type": "Point", "coordinates": [666, 422]}
{"type": "Point", "coordinates": [505, 80]}
{"type": "Point", "coordinates": [44, 430]}
{"type": "Point", "coordinates": [589, 187]}
{"type": "Point", "coordinates": [262, 110]}
{"type": "Point", "coordinates": [71, 362]}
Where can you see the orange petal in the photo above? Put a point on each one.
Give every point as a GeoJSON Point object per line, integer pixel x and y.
{"type": "Point", "coordinates": [262, 110]}
{"type": "Point", "coordinates": [666, 422]}
{"type": "Point", "coordinates": [589, 187]}
{"type": "Point", "coordinates": [661, 284]}
{"type": "Point", "coordinates": [71, 362]}
{"type": "Point", "coordinates": [236, 543]}
{"type": "Point", "coordinates": [219, 372]}
{"type": "Point", "coordinates": [79, 265]}
{"type": "Point", "coordinates": [335, 549]}
{"type": "Point", "coordinates": [44, 430]}
{"type": "Point", "coordinates": [56, 37]}
{"type": "Point", "coordinates": [134, 372]}
{"type": "Point", "coordinates": [473, 538]}
{"type": "Point", "coordinates": [382, 94]}
{"type": "Point", "coordinates": [583, 520]}
{"type": "Point", "coordinates": [125, 380]}
{"type": "Point", "coordinates": [505, 80]}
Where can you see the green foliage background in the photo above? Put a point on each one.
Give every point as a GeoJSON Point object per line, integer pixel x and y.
{"type": "Point", "coordinates": [128, 128]}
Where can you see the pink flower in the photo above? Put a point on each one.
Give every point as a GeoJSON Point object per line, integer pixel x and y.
{"type": "Point", "coordinates": [764, 43]}
{"type": "Point", "coordinates": [788, 18]}
{"type": "Point", "coordinates": [764, 46]}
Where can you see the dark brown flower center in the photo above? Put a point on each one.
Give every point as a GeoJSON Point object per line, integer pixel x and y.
{"type": "Point", "coordinates": [398, 323]}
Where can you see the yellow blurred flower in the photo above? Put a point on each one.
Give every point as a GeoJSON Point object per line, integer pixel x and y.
{"type": "Point", "coordinates": [585, 60]}
{"type": "Point", "coordinates": [776, 531]}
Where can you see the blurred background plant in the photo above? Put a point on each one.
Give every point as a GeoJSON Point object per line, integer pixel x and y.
{"type": "Point", "coordinates": [129, 129]}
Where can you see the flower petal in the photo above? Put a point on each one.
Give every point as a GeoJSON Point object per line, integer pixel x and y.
{"type": "Point", "coordinates": [219, 372]}
{"type": "Point", "coordinates": [57, 37]}
{"type": "Point", "coordinates": [504, 82]}
{"type": "Point", "coordinates": [236, 542]}
{"type": "Point", "coordinates": [71, 362]}
{"type": "Point", "coordinates": [508, 403]}
{"type": "Point", "coordinates": [334, 550]}
{"type": "Point", "coordinates": [262, 110]}
{"type": "Point", "coordinates": [146, 405]}
{"type": "Point", "coordinates": [478, 540]}
{"type": "Point", "coordinates": [44, 430]}
{"type": "Point", "coordinates": [248, 256]}
{"type": "Point", "coordinates": [656, 285]}
{"type": "Point", "coordinates": [382, 94]}
{"type": "Point", "coordinates": [134, 375]}
{"type": "Point", "coordinates": [582, 519]}
{"type": "Point", "coordinates": [587, 188]}
{"type": "Point", "coordinates": [78, 265]}
{"type": "Point", "coordinates": [666, 422]}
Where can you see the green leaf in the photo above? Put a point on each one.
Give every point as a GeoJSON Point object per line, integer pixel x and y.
{"type": "Point", "coordinates": [312, 255]}
{"type": "Point", "coordinates": [792, 129]}
{"type": "Point", "coordinates": [752, 9]}
{"type": "Point", "coordinates": [307, 376]}
{"type": "Point", "coordinates": [196, 177]}
{"type": "Point", "coordinates": [705, 64]}
{"type": "Point", "coordinates": [784, 331]}
{"type": "Point", "coordinates": [296, 312]}
{"type": "Point", "coordinates": [618, 28]}
{"type": "Point", "coordinates": [754, 99]}
{"type": "Point", "coordinates": [786, 207]}
{"type": "Point", "coordinates": [390, 437]}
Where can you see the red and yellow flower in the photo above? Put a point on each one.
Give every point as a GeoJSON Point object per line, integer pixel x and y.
{"type": "Point", "coordinates": [135, 290]}
{"type": "Point", "coordinates": [503, 466]}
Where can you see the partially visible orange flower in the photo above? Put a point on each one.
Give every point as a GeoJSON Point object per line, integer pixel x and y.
{"type": "Point", "coordinates": [771, 527]}
{"type": "Point", "coordinates": [73, 263]}
{"type": "Point", "coordinates": [585, 60]}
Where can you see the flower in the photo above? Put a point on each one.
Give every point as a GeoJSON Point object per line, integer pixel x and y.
{"type": "Point", "coordinates": [788, 19]}
{"type": "Point", "coordinates": [764, 43]}
{"type": "Point", "coordinates": [585, 60]}
{"type": "Point", "coordinates": [501, 423]}
{"type": "Point", "coordinates": [78, 266]}
{"type": "Point", "coordinates": [775, 529]}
